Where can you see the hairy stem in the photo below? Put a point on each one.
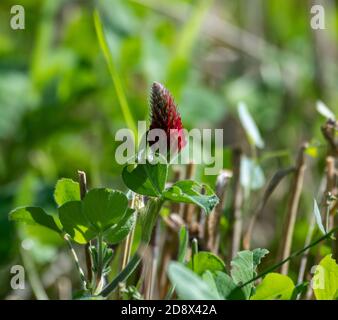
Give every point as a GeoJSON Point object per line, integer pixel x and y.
{"type": "Point", "coordinates": [77, 263]}
{"type": "Point", "coordinates": [99, 261]}
{"type": "Point", "coordinates": [129, 239]}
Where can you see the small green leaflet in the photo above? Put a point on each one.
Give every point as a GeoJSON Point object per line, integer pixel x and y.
{"type": "Point", "coordinates": [274, 286]}
{"type": "Point", "coordinates": [249, 126]}
{"type": "Point", "coordinates": [75, 223]}
{"type": "Point", "coordinates": [66, 190]}
{"type": "Point", "coordinates": [208, 277]}
{"type": "Point", "coordinates": [325, 279]}
{"type": "Point", "coordinates": [227, 288]}
{"type": "Point", "coordinates": [118, 232]}
{"type": "Point", "coordinates": [104, 207]}
{"type": "Point", "coordinates": [324, 110]}
{"type": "Point", "coordinates": [318, 217]}
{"type": "Point", "coordinates": [206, 261]}
{"type": "Point", "coordinates": [251, 175]}
{"type": "Point", "coordinates": [146, 179]}
{"type": "Point", "coordinates": [188, 285]}
{"type": "Point", "coordinates": [189, 191]}
{"type": "Point", "coordinates": [100, 210]}
{"type": "Point", "coordinates": [33, 216]}
{"type": "Point", "coordinates": [243, 268]}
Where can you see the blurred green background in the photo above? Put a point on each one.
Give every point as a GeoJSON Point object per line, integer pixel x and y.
{"type": "Point", "coordinates": [59, 108]}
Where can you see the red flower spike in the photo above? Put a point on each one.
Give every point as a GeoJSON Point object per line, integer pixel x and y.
{"type": "Point", "coordinates": [164, 115]}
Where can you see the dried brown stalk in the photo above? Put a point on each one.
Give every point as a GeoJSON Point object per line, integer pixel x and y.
{"type": "Point", "coordinates": [331, 189]}
{"type": "Point", "coordinates": [273, 183]}
{"type": "Point", "coordinates": [235, 219]}
{"type": "Point", "coordinates": [212, 234]}
{"type": "Point", "coordinates": [292, 208]}
{"type": "Point", "coordinates": [329, 130]}
{"type": "Point", "coordinates": [83, 183]}
{"type": "Point", "coordinates": [312, 224]}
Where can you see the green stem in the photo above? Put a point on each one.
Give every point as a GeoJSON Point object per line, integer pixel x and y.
{"type": "Point", "coordinates": [148, 223]}
{"type": "Point", "coordinates": [148, 220]}
{"type": "Point", "coordinates": [99, 260]}
{"type": "Point", "coordinates": [293, 255]}
{"type": "Point", "coordinates": [89, 264]}
{"type": "Point", "coordinates": [130, 237]}
{"type": "Point", "coordinates": [122, 276]}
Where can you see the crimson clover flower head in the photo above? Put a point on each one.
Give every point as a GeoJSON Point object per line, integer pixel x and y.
{"type": "Point", "coordinates": [164, 115]}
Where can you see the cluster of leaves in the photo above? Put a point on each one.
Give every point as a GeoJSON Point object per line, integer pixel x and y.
{"type": "Point", "coordinates": [150, 180]}
{"type": "Point", "coordinates": [103, 214]}
{"type": "Point", "coordinates": [204, 277]}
